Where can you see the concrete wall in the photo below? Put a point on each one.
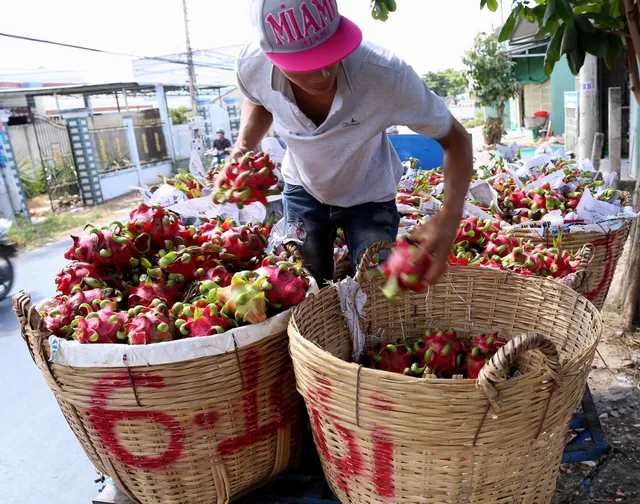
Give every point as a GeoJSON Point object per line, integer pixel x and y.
{"type": "Point", "coordinates": [182, 139]}
{"type": "Point", "coordinates": [121, 182]}
{"type": "Point", "coordinates": [25, 147]}
{"type": "Point", "coordinates": [561, 80]}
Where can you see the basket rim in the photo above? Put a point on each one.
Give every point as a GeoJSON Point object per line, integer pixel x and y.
{"type": "Point", "coordinates": [295, 334]}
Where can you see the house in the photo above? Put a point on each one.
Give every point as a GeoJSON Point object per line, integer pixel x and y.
{"type": "Point", "coordinates": [541, 92]}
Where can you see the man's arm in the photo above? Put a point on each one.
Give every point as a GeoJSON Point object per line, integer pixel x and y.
{"type": "Point", "coordinates": [440, 232]}
{"type": "Point", "coordinates": [255, 121]}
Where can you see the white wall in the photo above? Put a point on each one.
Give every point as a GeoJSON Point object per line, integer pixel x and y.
{"type": "Point", "coordinates": [121, 182]}
{"type": "Point", "coordinates": [182, 139]}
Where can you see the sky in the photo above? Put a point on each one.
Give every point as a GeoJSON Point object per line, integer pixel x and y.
{"type": "Point", "coordinates": [429, 34]}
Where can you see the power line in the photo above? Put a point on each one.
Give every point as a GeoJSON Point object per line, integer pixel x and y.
{"type": "Point", "coordinates": [102, 51]}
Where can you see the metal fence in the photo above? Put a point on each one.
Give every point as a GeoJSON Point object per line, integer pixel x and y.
{"type": "Point", "coordinates": [109, 137]}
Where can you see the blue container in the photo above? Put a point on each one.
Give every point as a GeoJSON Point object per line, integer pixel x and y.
{"type": "Point", "coordinates": [428, 151]}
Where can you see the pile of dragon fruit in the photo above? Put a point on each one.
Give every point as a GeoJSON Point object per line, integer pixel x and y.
{"type": "Point", "coordinates": [520, 194]}
{"type": "Point", "coordinates": [156, 280]}
{"type": "Point", "coordinates": [478, 243]}
{"type": "Point", "coordinates": [440, 353]}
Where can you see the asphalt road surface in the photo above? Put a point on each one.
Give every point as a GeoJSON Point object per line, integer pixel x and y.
{"type": "Point", "coordinates": [41, 462]}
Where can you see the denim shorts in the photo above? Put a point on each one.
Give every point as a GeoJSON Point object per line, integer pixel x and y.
{"type": "Point", "coordinates": [316, 225]}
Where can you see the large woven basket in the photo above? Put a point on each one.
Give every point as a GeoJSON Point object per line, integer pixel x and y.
{"type": "Point", "coordinates": [389, 438]}
{"type": "Point", "coordinates": [608, 247]}
{"type": "Point", "coordinates": [199, 431]}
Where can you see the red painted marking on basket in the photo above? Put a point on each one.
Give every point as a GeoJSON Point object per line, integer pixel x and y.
{"type": "Point", "coordinates": [383, 463]}
{"type": "Point", "coordinates": [253, 432]}
{"type": "Point", "coordinates": [106, 420]}
{"type": "Point", "coordinates": [606, 278]}
{"type": "Point", "coordinates": [351, 464]}
{"type": "Point", "coordinates": [251, 372]}
{"type": "Point", "coordinates": [207, 420]}
{"type": "Point", "coordinates": [382, 402]}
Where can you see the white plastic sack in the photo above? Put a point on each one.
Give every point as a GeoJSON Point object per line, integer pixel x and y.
{"type": "Point", "coordinates": [74, 354]}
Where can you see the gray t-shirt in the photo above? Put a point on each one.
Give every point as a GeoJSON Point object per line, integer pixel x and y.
{"type": "Point", "coordinates": [348, 160]}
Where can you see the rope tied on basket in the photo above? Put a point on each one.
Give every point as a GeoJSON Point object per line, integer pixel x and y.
{"type": "Point", "coordinates": [497, 369]}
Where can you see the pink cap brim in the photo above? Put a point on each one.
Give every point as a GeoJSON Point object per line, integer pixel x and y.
{"type": "Point", "coordinates": [341, 44]}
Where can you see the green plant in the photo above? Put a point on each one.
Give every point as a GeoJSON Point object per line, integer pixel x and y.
{"type": "Point", "coordinates": [31, 235]}
{"type": "Point", "coordinates": [576, 28]}
{"type": "Point", "coordinates": [478, 120]}
{"type": "Point", "coordinates": [491, 76]}
{"type": "Point", "coordinates": [493, 130]}
{"type": "Point", "coordinates": [447, 82]}
{"type": "Point", "coordinates": [180, 115]}
{"type": "Point", "coordinates": [34, 184]}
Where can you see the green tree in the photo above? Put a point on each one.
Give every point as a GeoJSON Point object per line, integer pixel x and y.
{"type": "Point", "coordinates": [576, 28]}
{"type": "Point", "coordinates": [491, 79]}
{"type": "Point", "coordinates": [179, 115]}
{"type": "Point", "coordinates": [447, 82]}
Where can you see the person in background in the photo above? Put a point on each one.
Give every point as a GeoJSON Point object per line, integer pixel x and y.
{"type": "Point", "coordinates": [222, 145]}
{"type": "Point", "coordinates": [333, 97]}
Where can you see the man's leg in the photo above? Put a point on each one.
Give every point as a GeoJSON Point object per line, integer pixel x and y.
{"type": "Point", "coordinates": [310, 221]}
{"type": "Point", "coordinates": [367, 224]}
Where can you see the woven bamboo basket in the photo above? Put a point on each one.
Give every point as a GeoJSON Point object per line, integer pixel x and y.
{"type": "Point", "coordinates": [200, 432]}
{"type": "Point", "coordinates": [389, 438]}
{"type": "Point", "coordinates": [608, 247]}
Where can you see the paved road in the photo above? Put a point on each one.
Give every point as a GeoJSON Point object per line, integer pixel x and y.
{"type": "Point", "coordinates": [40, 459]}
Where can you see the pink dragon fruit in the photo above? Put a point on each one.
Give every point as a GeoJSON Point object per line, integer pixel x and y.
{"type": "Point", "coordinates": [405, 269]}
{"type": "Point", "coordinates": [103, 326]}
{"type": "Point", "coordinates": [286, 283]}
{"type": "Point", "coordinates": [160, 224]}
{"type": "Point", "coordinates": [103, 249]}
{"type": "Point", "coordinates": [150, 289]}
{"type": "Point", "coordinates": [77, 273]}
{"type": "Point", "coordinates": [243, 300]}
{"type": "Point", "coordinates": [200, 319]}
{"type": "Point", "coordinates": [149, 324]}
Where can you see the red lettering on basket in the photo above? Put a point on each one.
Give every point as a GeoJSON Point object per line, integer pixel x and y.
{"type": "Point", "coordinates": [382, 402]}
{"type": "Point", "coordinates": [383, 457]}
{"type": "Point", "coordinates": [106, 420]}
{"type": "Point", "coordinates": [207, 420]}
{"type": "Point", "coordinates": [352, 463]}
{"type": "Point", "coordinates": [252, 431]}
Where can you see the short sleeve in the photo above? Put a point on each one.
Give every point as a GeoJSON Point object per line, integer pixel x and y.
{"type": "Point", "coordinates": [418, 108]}
{"type": "Point", "coordinates": [243, 89]}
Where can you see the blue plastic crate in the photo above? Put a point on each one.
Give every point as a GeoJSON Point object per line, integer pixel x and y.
{"type": "Point", "coordinates": [427, 151]}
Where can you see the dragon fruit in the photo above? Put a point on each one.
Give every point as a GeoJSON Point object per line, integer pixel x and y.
{"type": "Point", "coordinates": [103, 326]}
{"type": "Point", "coordinates": [158, 223]}
{"type": "Point", "coordinates": [150, 289]}
{"type": "Point", "coordinates": [250, 180]}
{"type": "Point", "coordinates": [77, 273]}
{"type": "Point", "coordinates": [217, 273]}
{"type": "Point", "coordinates": [200, 319]}
{"type": "Point", "coordinates": [243, 300]}
{"type": "Point", "coordinates": [149, 324]}
{"type": "Point", "coordinates": [286, 283]}
{"type": "Point", "coordinates": [103, 249]}
{"type": "Point", "coordinates": [182, 265]}
{"type": "Point", "coordinates": [61, 310]}
{"type": "Point", "coordinates": [392, 358]}
{"type": "Point", "coordinates": [444, 354]}
{"type": "Point", "coordinates": [483, 347]}
{"type": "Point", "coordinates": [405, 268]}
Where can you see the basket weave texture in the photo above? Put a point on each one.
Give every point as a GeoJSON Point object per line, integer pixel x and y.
{"type": "Point", "coordinates": [198, 431]}
{"type": "Point", "coordinates": [607, 249]}
{"type": "Point", "coordinates": [389, 438]}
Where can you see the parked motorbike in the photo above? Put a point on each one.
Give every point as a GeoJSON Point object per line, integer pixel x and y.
{"type": "Point", "coordinates": [7, 251]}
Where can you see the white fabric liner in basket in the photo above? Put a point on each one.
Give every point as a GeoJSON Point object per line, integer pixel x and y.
{"type": "Point", "coordinates": [113, 355]}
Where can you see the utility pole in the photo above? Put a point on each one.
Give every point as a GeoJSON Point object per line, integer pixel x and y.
{"type": "Point", "coordinates": [588, 105]}
{"type": "Point", "coordinates": [615, 131]}
{"type": "Point", "coordinates": [192, 73]}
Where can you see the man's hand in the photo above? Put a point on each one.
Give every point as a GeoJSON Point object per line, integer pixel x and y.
{"type": "Point", "coordinates": [439, 234]}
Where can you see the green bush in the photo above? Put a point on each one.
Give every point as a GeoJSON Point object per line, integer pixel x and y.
{"type": "Point", "coordinates": [33, 185]}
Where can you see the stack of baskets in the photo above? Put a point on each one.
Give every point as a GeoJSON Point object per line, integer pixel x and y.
{"type": "Point", "coordinates": [199, 431]}
{"type": "Point", "coordinates": [389, 438]}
